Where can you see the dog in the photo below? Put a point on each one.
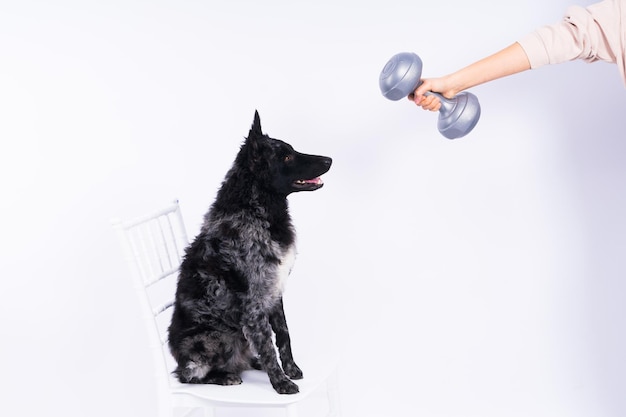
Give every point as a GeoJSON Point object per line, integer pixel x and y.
{"type": "Point", "coordinates": [230, 284]}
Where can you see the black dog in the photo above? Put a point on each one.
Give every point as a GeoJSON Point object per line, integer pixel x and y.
{"type": "Point", "coordinates": [229, 295]}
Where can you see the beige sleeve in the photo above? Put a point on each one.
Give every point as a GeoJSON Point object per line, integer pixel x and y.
{"type": "Point", "coordinates": [590, 34]}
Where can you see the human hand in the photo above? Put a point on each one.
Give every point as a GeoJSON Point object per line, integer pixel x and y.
{"type": "Point", "coordinates": [428, 102]}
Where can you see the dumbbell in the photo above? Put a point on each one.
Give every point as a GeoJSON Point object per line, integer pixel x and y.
{"type": "Point", "coordinates": [402, 75]}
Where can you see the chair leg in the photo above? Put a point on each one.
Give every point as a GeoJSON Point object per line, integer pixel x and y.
{"type": "Point", "coordinates": [292, 410]}
{"type": "Point", "coordinates": [208, 412]}
{"type": "Point", "coordinates": [332, 391]}
{"type": "Point", "coordinates": [196, 412]}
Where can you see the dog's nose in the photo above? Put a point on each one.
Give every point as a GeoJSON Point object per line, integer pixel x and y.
{"type": "Point", "coordinates": [328, 162]}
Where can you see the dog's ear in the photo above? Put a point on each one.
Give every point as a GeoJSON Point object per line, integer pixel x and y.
{"type": "Point", "coordinates": [252, 141]}
{"type": "Point", "coordinates": [255, 130]}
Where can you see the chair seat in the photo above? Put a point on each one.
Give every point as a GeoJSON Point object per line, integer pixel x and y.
{"type": "Point", "coordinates": [256, 389]}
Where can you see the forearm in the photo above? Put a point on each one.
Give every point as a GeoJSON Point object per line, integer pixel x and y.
{"type": "Point", "coordinates": [508, 61]}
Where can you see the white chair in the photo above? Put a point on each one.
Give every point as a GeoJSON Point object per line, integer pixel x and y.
{"type": "Point", "coordinates": [153, 246]}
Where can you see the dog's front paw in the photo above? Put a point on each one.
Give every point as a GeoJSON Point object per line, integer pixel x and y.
{"type": "Point", "coordinates": [255, 363]}
{"type": "Point", "coordinates": [222, 378]}
{"type": "Point", "coordinates": [292, 371]}
{"type": "Point", "coordinates": [285, 386]}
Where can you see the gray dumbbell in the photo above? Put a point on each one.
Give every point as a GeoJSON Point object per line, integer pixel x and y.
{"type": "Point", "coordinates": [402, 75]}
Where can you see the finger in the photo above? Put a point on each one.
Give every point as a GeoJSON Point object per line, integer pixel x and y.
{"type": "Point", "coordinates": [433, 107]}
{"type": "Point", "coordinates": [423, 88]}
{"type": "Point", "coordinates": [415, 99]}
{"type": "Point", "coordinates": [427, 102]}
{"type": "Point", "coordinates": [431, 103]}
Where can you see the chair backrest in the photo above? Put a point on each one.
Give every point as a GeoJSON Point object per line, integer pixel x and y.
{"type": "Point", "coordinates": [154, 246]}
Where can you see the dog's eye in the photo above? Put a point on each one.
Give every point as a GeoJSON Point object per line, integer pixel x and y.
{"type": "Point", "coordinates": [289, 158]}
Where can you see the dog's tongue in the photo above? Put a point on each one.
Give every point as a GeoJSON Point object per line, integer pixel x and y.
{"type": "Point", "coordinates": [317, 180]}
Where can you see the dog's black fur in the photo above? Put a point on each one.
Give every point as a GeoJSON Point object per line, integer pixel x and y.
{"type": "Point", "coordinates": [229, 294]}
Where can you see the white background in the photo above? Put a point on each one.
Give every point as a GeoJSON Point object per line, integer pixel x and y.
{"type": "Point", "coordinates": [477, 277]}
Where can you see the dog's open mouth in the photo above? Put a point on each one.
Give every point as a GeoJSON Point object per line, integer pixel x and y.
{"type": "Point", "coordinates": [308, 185]}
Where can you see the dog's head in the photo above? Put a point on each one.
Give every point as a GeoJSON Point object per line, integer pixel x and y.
{"type": "Point", "coordinates": [277, 166]}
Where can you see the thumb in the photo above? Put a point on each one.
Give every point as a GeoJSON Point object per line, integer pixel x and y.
{"type": "Point", "coordinates": [424, 86]}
